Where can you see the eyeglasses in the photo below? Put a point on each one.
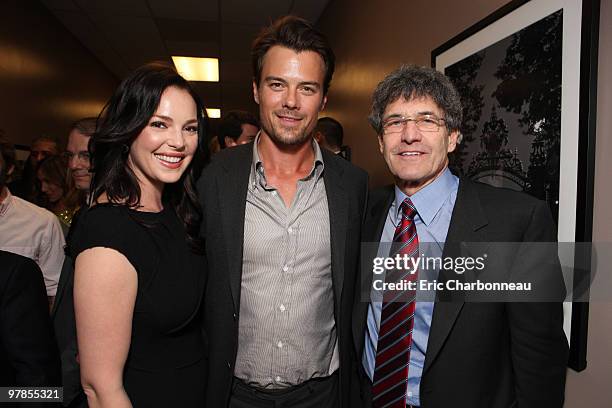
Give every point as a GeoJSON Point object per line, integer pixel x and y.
{"type": "Point", "coordinates": [424, 123]}
{"type": "Point", "coordinates": [83, 157]}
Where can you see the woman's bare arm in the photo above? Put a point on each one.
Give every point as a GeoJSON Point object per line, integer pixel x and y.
{"type": "Point", "coordinates": [105, 285]}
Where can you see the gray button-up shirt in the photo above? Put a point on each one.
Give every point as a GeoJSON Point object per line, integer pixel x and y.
{"type": "Point", "coordinates": [287, 331]}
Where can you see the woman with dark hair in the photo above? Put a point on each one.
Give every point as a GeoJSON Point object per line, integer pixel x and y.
{"type": "Point", "coordinates": [139, 272]}
{"type": "Point", "coordinates": [61, 196]}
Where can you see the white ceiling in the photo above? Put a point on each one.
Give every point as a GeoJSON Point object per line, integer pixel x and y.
{"type": "Point", "coordinates": [124, 34]}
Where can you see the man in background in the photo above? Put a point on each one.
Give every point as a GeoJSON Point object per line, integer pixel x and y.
{"type": "Point", "coordinates": [29, 230]}
{"type": "Point", "coordinates": [329, 134]}
{"type": "Point", "coordinates": [26, 186]}
{"type": "Point", "coordinates": [42, 147]}
{"type": "Point", "coordinates": [237, 127]}
{"type": "Point", "coordinates": [79, 164]}
{"type": "Point", "coordinates": [77, 154]}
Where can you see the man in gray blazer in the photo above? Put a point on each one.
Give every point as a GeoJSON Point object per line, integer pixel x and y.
{"type": "Point", "coordinates": [282, 221]}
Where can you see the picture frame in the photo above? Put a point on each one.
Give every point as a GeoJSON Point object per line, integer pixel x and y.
{"type": "Point", "coordinates": [527, 76]}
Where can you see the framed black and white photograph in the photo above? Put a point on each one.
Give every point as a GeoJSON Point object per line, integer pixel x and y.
{"type": "Point", "coordinates": [527, 79]}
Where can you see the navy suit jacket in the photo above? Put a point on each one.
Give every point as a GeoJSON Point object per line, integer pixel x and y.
{"type": "Point", "coordinates": [483, 354]}
{"type": "Point", "coordinates": [28, 353]}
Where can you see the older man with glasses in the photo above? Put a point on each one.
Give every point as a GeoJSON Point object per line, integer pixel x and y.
{"type": "Point", "coordinates": [457, 352]}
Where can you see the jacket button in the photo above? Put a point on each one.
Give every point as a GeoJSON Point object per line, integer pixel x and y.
{"type": "Point", "coordinates": [235, 316]}
{"type": "Point", "coordinates": [229, 365]}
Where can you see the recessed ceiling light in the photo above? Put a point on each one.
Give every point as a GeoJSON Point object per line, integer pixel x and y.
{"type": "Point", "coordinates": [213, 113]}
{"type": "Point", "coordinates": [197, 69]}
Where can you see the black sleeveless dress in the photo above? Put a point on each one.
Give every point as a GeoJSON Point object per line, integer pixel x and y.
{"type": "Point", "coordinates": [165, 366]}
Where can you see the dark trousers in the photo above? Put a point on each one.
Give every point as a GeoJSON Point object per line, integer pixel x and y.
{"type": "Point", "coordinates": [315, 393]}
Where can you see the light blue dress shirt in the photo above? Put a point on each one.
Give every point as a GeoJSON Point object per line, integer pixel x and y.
{"type": "Point", "coordinates": [434, 204]}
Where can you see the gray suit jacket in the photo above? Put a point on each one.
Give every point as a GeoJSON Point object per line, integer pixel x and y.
{"type": "Point", "coordinates": [223, 190]}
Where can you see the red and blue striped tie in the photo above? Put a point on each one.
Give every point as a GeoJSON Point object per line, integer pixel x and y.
{"type": "Point", "coordinates": [396, 320]}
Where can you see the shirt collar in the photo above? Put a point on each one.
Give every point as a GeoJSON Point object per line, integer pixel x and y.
{"type": "Point", "coordinates": [6, 204]}
{"type": "Point", "coordinates": [257, 170]}
{"type": "Point", "coordinates": [429, 200]}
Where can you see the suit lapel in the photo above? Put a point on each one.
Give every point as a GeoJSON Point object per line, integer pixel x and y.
{"type": "Point", "coordinates": [232, 197]}
{"type": "Point", "coordinates": [337, 202]}
{"type": "Point", "coordinates": [375, 221]}
{"type": "Point", "coordinates": [467, 225]}
{"type": "Point", "coordinates": [373, 225]}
